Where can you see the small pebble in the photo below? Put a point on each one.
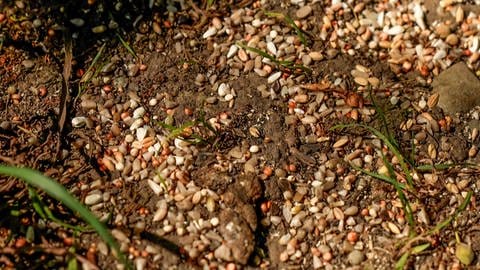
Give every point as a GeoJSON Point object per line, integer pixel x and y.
{"type": "Point", "coordinates": [355, 257]}
{"type": "Point", "coordinates": [303, 12]}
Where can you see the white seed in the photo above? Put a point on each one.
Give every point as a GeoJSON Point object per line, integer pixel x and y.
{"type": "Point", "coordinates": [93, 198]}
{"type": "Point", "coordinates": [254, 149]}
{"type": "Point", "coordinates": [232, 51]}
{"type": "Point", "coordinates": [168, 228]}
{"type": "Point", "coordinates": [474, 44]}
{"type": "Point", "coordinates": [141, 133]}
{"type": "Point", "coordinates": [79, 121]}
{"type": "Point", "coordinates": [309, 119]}
{"type": "Point", "coordinates": [210, 32]}
{"type": "Point", "coordinates": [393, 228]}
{"type": "Point", "coordinates": [179, 160]}
{"type": "Point", "coordinates": [161, 211]}
{"type": "Point", "coordinates": [214, 221]}
{"type": "Point", "coordinates": [223, 89]}
{"type": "Point", "coordinates": [275, 76]}
{"type": "Point", "coordinates": [139, 112]}
{"type": "Point", "coordinates": [395, 30]}
{"type": "Point", "coordinates": [459, 14]}
{"type": "Point", "coordinates": [271, 48]}
{"type": "Point", "coordinates": [179, 143]}
{"type": "Point", "coordinates": [440, 54]}
{"type": "Point", "coordinates": [419, 16]}
{"type": "Point", "coordinates": [422, 104]}
{"type": "Point", "coordinates": [273, 34]}
{"type": "Point", "coordinates": [341, 142]}
{"type": "Point", "coordinates": [153, 102]}
{"type": "Point", "coordinates": [156, 188]}
{"type": "Point", "coordinates": [136, 124]}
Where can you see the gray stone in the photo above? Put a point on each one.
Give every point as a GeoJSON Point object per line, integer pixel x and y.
{"type": "Point", "coordinates": [93, 198]}
{"type": "Point", "coordinates": [303, 12]}
{"type": "Point", "coordinates": [28, 63]}
{"type": "Point", "coordinates": [355, 257]}
{"type": "Point", "coordinates": [459, 89]}
{"type": "Point", "coordinates": [223, 253]}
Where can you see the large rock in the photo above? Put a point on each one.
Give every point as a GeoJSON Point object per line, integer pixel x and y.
{"type": "Point", "coordinates": [459, 89]}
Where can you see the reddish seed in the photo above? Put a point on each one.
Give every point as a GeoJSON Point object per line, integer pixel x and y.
{"type": "Point", "coordinates": [107, 88]}
{"type": "Point", "coordinates": [15, 96]}
{"type": "Point", "coordinates": [292, 104]}
{"type": "Point", "coordinates": [267, 171]}
{"type": "Point", "coordinates": [188, 111]}
{"type": "Point", "coordinates": [223, 116]}
{"type": "Point", "coordinates": [166, 151]}
{"type": "Point", "coordinates": [51, 32]}
{"type": "Point", "coordinates": [292, 168]}
{"type": "Point", "coordinates": [231, 266]}
{"type": "Point", "coordinates": [91, 256]}
{"type": "Point", "coordinates": [68, 241]}
{"type": "Point", "coordinates": [327, 256]}
{"type": "Point", "coordinates": [424, 70]}
{"type": "Point", "coordinates": [42, 91]}
{"type": "Point", "coordinates": [352, 237]}
{"type": "Point", "coordinates": [25, 221]}
{"type": "Point", "coordinates": [80, 72]}
{"type": "Point", "coordinates": [442, 123]}
{"type": "Point", "coordinates": [20, 242]}
{"type": "Point", "coordinates": [265, 207]}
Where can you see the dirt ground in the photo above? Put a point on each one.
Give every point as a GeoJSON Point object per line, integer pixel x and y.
{"type": "Point", "coordinates": [32, 63]}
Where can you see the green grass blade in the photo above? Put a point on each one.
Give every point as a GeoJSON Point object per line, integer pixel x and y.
{"type": "Point", "coordinates": [420, 248]}
{"type": "Point", "coordinates": [438, 167]}
{"type": "Point", "coordinates": [286, 64]}
{"type": "Point", "coordinates": [400, 265]}
{"type": "Point", "coordinates": [72, 264]}
{"type": "Point", "coordinates": [405, 203]}
{"type": "Point", "coordinates": [259, 52]}
{"type": "Point", "coordinates": [299, 32]}
{"type": "Point", "coordinates": [460, 209]}
{"type": "Point", "coordinates": [388, 143]}
{"type": "Point", "coordinates": [96, 58]}
{"type": "Point", "coordinates": [381, 114]}
{"type": "Point", "coordinates": [45, 213]}
{"type": "Point", "coordinates": [384, 178]}
{"type": "Point", "coordinates": [441, 167]}
{"type": "Point", "coordinates": [37, 205]}
{"type": "Point", "coordinates": [58, 192]}
{"type": "Point", "coordinates": [127, 46]}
